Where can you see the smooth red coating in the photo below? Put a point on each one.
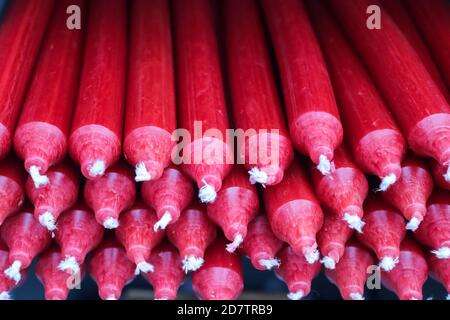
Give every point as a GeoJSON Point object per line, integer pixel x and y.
{"type": "Point", "coordinates": [150, 112]}
{"type": "Point", "coordinates": [350, 274]}
{"type": "Point", "coordinates": [43, 129]}
{"type": "Point", "coordinates": [221, 277]}
{"type": "Point", "coordinates": [6, 284]}
{"type": "Point", "coordinates": [333, 236]}
{"type": "Point", "coordinates": [168, 276]}
{"type": "Point", "coordinates": [433, 19]}
{"type": "Point", "coordinates": [439, 270]}
{"type": "Point", "coordinates": [136, 233]}
{"type": "Point", "coordinates": [344, 190]}
{"type": "Point", "coordinates": [438, 172]}
{"type": "Point", "coordinates": [311, 108]}
{"type": "Point", "coordinates": [237, 204]}
{"type": "Point", "coordinates": [371, 133]}
{"type": "Point", "coordinates": [111, 269]}
{"type": "Point", "coordinates": [97, 124]}
{"type": "Point", "coordinates": [410, 274]}
{"type": "Point", "coordinates": [296, 272]}
{"type": "Point", "coordinates": [170, 194]}
{"type": "Point", "coordinates": [111, 194]}
{"type": "Point", "coordinates": [255, 101]}
{"type": "Point", "coordinates": [293, 210]}
{"type": "Point", "coordinates": [25, 237]}
{"type": "Point", "coordinates": [12, 186]}
{"type": "Point", "coordinates": [411, 192]}
{"type": "Point", "coordinates": [261, 243]}
{"type": "Point", "coordinates": [193, 232]}
{"type": "Point", "coordinates": [434, 231]}
{"type": "Point", "coordinates": [402, 18]}
{"type": "Point", "coordinates": [59, 194]}
{"type": "Point", "coordinates": [78, 232]}
{"type": "Point", "coordinates": [384, 229]}
{"type": "Point", "coordinates": [22, 29]}
{"type": "Point", "coordinates": [57, 283]}
{"type": "Point", "coordinates": [420, 108]}
{"type": "Point", "coordinates": [206, 156]}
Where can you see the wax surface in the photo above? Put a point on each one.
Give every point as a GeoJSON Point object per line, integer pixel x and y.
{"type": "Point", "coordinates": [6, 284]}
{"type": "Point", "coordinates": [12, 186]}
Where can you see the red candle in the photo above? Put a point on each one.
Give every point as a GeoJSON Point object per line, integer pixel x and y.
{"type": "Point", "coordinates": [420, 108]}
{"type": "Point", "coordinates": [22, 29]}
{"type": "Point", "coordinates": [95, 139]}
{"type": "Point", "coordinates": [376, 142]}
{"type": "Point", "coordinates": [192, 234]}
{"type": "Point", "coordinates": [58, 195]}
{"type": "Point", "coordinates": [25, 238]}
{"type": "Point", "coordinates": [55, 281]}
{"type": "Point", "coordinates": [410, 274]}
{"type": "Point", "coordinates": [43, 128]}
{"type": "Point", "coordinates": [434, 231]}
{"type": "Point", "coordinates": [77, 234]}
{"type": "Point", "coordinates": [168, 196]}
{"type": "Point", "coordinates": [12, 187]}
{"type": "Point", "coordinates": [440, 175]}
{"type": "Point", "coordinates": [268, 151]}
{"type": "Point", "coordinates": [311, 108]}
{"type": "Point", "coordinates": [207, 157]}
{"type": "Point", "coordinates": [168, 276]}
{"type": "Point", "coordinates": [294, 213]}
{"type": "Point", "coordinates": [236, 205]}
{"type": "Point", "coordinates": [440, 271]}
{"type": "Point", "coordinates": [150, 111]}
{"type": "Point", "coordinates": [343, 191]}
{"type": "Point", "coordinates": [111, 194]}
{"type": "Point", "coordinates": [221, 276]}
{"type": "Point", "coordinates": [332, 239]}
{"type": "Point", "coordinates": [296, 272]}
{"type": "Point", "coordinates": [136, 234]}
{"type": "Point", "coordinates": [384, 231]}
{"type": "Point", "coordinates": [411, 192]}
{"type": "Point", "coordinates": [111, 269]}
{"type": "Point", "coordinates": [350, 274]}
{"type": "Point", "coordinates": [261, 245]}
{"type": "Point", "coordinates": [6, 283]}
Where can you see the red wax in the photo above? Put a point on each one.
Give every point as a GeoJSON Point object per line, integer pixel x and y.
{"type": "Point", "coordinates": [58, 195]}
{"type": "Point", "coordinates": [256, 105]}
{"type": "Point", "coordinates": [332, 239]}
{"type": "Point", "coordinates": [434, 231]}
{"type": "Point", "coordinates": [294, 213]}
{"type": "Point", "coordinates": [433, 19]}
{"type": "Point", "coordinates": [136, 234]}
{"type": "Point", "coordinates": [420, 108]}
{"type": "Point", "coordinates": [25, 238]}
{"type": "Point", "coordinates": [410, 274]}
{"type": "Point", "coordinates": [150, 112]}
{"type": "Point", "coordinates": [261, 245]}
{"type": "Point", "coordinates": [6, 283]}
{"type": "Point", "coordinates": [43, 129]}
{"type": "Point", "coordinates": [343, 191]}
{"type": "Point", "coordinates": [207, 157]}
{"type": "Point", "coordinates": [221, 276]}
{"type": "Point", "coordinates": [440, 175]}
{"type": "Point", "coordinates": [440, 271]}
{"type": "Point", "coordinates": [411, 192]}
{"type": "Point", "coordinates": [296, 272]}
{"type": "Point", "coordinates": [384, 231]}
{"type": "Point", "coordinates": [168, 196]}
{"type": "Point", "coordinates": [111, 194]}
{"type": "Point", "coordinates": [236, 205]}
{"type": "Point", "coordinates": [376, 142]}
{"type": "Point", "coordinates": [22, 29]}
{"type": "Point", "coordinates": [350, 274]}
{"type": "Point", "coordinates": [95, 139]}
{"type": "Point", "coordinates": [12, 186]}
{"type": "Point", "coordinates": [111, 269]}
{"type": "Point", "coordinates": [311, 108]}
{"type": "Point", "coordinates": [168, 276]}
{"type": "Point", "coordinates": [56, 282]}
{"type": "Point", "coordinates": [192, 234]}
{"type": "Point", "coordinates": [402, 18]}
{"type": "Point", "coordinates": [77, 234]}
